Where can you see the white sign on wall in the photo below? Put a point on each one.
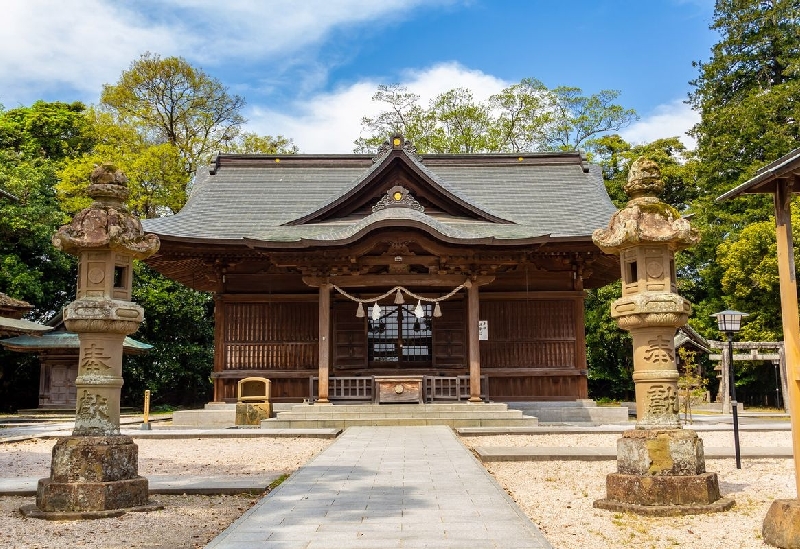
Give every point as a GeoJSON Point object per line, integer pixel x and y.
{"type": "Point", "coordinates": [483, 330]}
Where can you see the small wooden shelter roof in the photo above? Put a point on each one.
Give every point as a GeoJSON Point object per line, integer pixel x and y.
{"type": "Point", "coordinates": [686, 335]}
{"type": "Point", "coordinates": [302, 201]}
{"type": "Point", "coordinates": [60, 339]}
{"type": "Point", "coordinates": [11, 322]}
{"type": "Point", "coordinates": [765, 179]}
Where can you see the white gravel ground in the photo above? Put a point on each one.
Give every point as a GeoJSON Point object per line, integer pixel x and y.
{"type": "Point", "coordinates": [186, 522]}
{"type": "Point", "coordinates": [556, 495]}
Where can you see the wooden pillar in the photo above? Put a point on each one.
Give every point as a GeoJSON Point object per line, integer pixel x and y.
{"type": "Point", "coordinates": [789, 313]}
{"type": "Point", "coordinates": [324, 344]}
{"type": "Point", "coordinates": [219, 347]}
{"type": "Point", "coordinates": [474, 352]}
{"type": "Point", "coordinates": [580, 347]}
{"type": "Point", "coordinates": [724, 381]}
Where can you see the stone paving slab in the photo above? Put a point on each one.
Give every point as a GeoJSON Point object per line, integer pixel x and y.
{"type": "Point", "coordinates": [387, 487]}
{"type": "Point", "coordinates": [546, 453]}
{"type": "Point", "coordinates": [167, 484]}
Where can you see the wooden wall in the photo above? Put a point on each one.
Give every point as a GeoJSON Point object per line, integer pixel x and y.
{"type": "Point", "coordinates": [536, 346]}
{"type": "Point", "coordinates": [535, 350]}
{"type": "Point", "coordinates": [265, 336]}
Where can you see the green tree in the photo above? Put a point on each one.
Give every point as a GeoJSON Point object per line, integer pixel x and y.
{"type": "Point", "coordinates": [746, 95]}
{"type": "Point", "coordinates": [34, 142]}
{"type": "Point", "coordinates": [609, 350]}
{"type": "Point", "coordinates": [524, 117]}
{"type": "Point", "coordinates": [178, 325]}
{"type": "Point", "coordinates": [463, 125]}
{"type": "Point", "coordinates": [169, 101]}
{"type": "Point", "coordinates": [252, 143]}
{"type": "Point", "coordinates": [156, 177]}
{"type": "Point", "coordinates": [750, 279]}
{"type": "Point", "coordinates": [403, 115]}
{"type": "Point", "coordinates": [50, 131]}
{"type": "Point", "coordinates": [678, 168]}
{"type": "Point", "coordinates": [161, 121]}
{"type": "Point", "coordinates": [577, 120]}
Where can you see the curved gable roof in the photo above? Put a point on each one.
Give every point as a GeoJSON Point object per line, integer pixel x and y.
{"type": "Point", "coordinates": [381, 165]}
{"type": "Point", "coordinates": [292, 200]}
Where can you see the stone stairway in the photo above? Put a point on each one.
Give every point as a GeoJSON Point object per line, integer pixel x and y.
{"type": "Point", "coordinates": [349, 415]}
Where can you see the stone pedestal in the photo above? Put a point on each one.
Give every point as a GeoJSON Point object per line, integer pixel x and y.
{"type": "Point", "coordinates": [662, 473]}
{"type": "Point", "coordinates": [782, 524]}
{"type": "Point", "coordinates": [251, 413]}
{"type": "Point", "coordinates": [91, 477]}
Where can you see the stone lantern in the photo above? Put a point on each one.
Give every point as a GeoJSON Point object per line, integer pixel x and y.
{"type": "Point", "coordinates": [94, 473]}
{"type": "Point", "coordinates": [660, 467]}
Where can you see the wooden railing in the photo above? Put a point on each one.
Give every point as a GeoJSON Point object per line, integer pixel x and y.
{"type": "Point", "coordinates": [436, 388]}
{"type": "Point", "coordinates": [344, 388]}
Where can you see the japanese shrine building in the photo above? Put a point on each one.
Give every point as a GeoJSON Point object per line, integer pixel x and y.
{"type": "Point", "coordinates": [297, 248]}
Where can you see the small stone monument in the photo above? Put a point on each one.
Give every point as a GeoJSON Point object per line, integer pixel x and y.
{"type": "Point", "coordinates": [660, 467]}
{"type": "Point", "coordinates": [94, 472]}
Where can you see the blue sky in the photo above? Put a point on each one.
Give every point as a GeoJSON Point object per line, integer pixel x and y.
{"type": "Point", "coordinates": [309, 67]}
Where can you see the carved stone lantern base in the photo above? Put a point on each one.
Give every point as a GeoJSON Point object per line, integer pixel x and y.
{"type": "Point", "coordinates": [91, 477]}
{"type": "Point", "coordinates": [661, 472]}
{"type": "Point", "coordinates": [781, 526]}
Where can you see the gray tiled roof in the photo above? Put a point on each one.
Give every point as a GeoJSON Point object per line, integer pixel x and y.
{"type": "Point", "coordinates": [64, 340]}
{"type": "Point", "coordinates": [254, 198]}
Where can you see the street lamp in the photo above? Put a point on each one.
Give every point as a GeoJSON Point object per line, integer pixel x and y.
{"type": "Point", "coordinates": [776, 363]}
{"type": "Point", "coordinates": [730, 322]}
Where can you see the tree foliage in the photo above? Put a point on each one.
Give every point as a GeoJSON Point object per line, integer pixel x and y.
{"type": "Point", "coordinates": [609, 349]}
{"type": "Point", "coordinates": [169, 101]}
{"type": "Point", "coordinates": [34, 142]}
{"type": "Point", "coordinates": [746, 94]}
{"type": "Point", "coordinates": [178, 325]}
{"type": "Point", "coordinates": [523, 117]}
{"type": "Point", "coordinates": [156, 177]}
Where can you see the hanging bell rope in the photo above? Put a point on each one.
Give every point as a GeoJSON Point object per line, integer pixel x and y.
{"type": "Point", "coordinates": [398, 292]}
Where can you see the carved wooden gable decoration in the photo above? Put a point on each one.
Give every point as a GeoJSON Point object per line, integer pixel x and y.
{"type": "Point", "coordinates": [399, 179]}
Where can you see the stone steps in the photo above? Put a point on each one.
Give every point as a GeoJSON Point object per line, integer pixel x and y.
{"type": "Point", "coordinates": [454, 415]}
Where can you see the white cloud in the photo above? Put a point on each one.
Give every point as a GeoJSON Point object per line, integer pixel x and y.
{"type": "Point", "coordinates": [669, 120]}
{"type": "Point", "coordinates": [51, 48]}
{"type": "Point", "coordinates": [256, 28]}
{"type": "Point", "coordinates": [46, 46]}
{"type": "Point", "coordinates": [330, 122]}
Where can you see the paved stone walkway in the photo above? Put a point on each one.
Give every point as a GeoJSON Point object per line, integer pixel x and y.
{"type": "Point", "coordinates": [387, 487]}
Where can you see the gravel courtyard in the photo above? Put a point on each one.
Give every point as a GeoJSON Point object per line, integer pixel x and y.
{"type": "Point", "coordinates": [556, 495]}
